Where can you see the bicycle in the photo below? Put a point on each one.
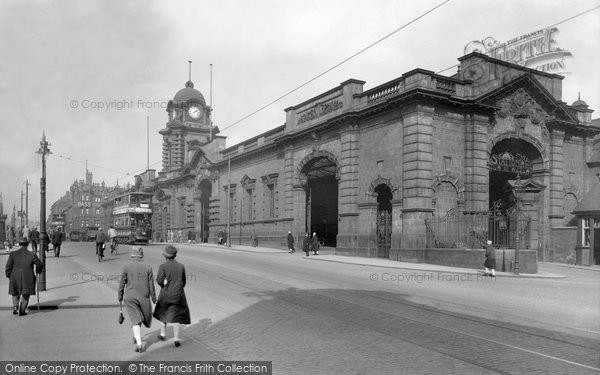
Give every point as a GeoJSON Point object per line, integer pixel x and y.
{"type": "Point", "coordinates": [114, 246]}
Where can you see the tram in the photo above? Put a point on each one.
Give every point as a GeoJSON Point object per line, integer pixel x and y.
{"type": "Point", "coordinates": [132, 217]}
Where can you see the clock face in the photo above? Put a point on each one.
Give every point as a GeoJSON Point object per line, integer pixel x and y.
{"type": "Point", "coordinates": [194, 112]}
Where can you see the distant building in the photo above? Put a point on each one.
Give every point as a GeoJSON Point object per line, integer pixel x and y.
{"type": "Point", "coordinates": [81, 206]}
{"type": "Point", "coordinates": [419, 168]}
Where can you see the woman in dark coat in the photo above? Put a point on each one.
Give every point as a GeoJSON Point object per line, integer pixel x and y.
{"type": "Point", "coordinates": [172, 306]}
{"type": "Point", "coordinates": [314, 245]}
{"type": "Point", "coordinates": [490, 260]}
{"type": "Point", "coordinates": [136, 288]}
{"type": "Point", "coordinates": [306, 244]}
{"type": "Point", "coordinates": [290, 242]}
{"type": "Point", "coordinates": [19, 270]}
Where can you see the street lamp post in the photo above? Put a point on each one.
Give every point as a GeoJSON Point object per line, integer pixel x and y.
{"type": "Point", "coordinates": [43, 235]}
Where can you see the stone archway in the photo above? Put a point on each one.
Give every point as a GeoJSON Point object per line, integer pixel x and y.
{"type": "Point", "coordinates": [318, 174]}
{"type": "Point", "coordinates": [516, 158]}
{"type": "Point", "coordinates": [203, 193]}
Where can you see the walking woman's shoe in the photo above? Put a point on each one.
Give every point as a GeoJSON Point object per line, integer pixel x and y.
{"type": "Point", "coordinates": [161, 337]}
{"type": "Point", "coordinates": [15, 310]}
{"type": "Point", "coordinates": [177, 343]}
{"type": "Point", "coordinates": [138, 349]}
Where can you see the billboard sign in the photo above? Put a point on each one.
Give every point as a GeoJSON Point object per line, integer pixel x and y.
{"type": "Point", "coordinates": [538, 50]}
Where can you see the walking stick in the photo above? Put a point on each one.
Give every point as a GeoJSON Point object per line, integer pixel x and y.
{"type": "Point", "coordinates": [38, 291]}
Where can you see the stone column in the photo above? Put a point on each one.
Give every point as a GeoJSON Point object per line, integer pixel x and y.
{"type": "Point", "coordinates": [556, 187]}
{"type": "Point", "coordinates": [348, 188]}
{"type": "Point", "coordinates": [417, 174]}
{"type": "Point", "coordinates": [476, 159]}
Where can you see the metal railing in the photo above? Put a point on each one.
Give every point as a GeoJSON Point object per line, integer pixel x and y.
{"type": "Point", "coordinates": [473, 229]}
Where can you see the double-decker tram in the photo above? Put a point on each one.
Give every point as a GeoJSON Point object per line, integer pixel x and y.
{"type": "Point", "coordinates": [132, 217]}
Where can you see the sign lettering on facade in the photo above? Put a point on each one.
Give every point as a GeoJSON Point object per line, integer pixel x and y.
{"type": "Point", "coordinates": [538, 50]}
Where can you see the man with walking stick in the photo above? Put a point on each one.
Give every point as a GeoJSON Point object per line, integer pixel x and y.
{"type": "Point", "coordinates": [22, 280]}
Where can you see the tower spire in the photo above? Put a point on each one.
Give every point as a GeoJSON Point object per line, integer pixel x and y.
{"type": "Point", "coordinates": [190, 69]}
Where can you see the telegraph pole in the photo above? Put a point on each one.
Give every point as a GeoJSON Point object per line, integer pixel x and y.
{"type": "Point", "coordinates": [21, 211]}
{"type": "Point", "coordinates": [43, 235]}
{"type": "Point", "coordinates": [229, 202]}
{"type": "Point", "coordinates": [27, 202]}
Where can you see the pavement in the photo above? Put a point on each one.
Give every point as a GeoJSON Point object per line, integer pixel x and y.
{"type": "Point", "coordinates": [72, 303]}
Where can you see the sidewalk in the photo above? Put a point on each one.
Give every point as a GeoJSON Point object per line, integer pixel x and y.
{"type": "Point", "coordinates": [78, 320]}
{"type": "Point", "coordinates": [328, 255]}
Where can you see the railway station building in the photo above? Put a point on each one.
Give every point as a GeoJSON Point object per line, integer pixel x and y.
{"type": "Point", "coordinates": [423, 168]}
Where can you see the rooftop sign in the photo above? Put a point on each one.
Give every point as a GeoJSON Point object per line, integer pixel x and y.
{"type": "Point", "coordinates": [537, 50]}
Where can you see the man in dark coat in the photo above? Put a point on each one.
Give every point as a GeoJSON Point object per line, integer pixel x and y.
{"type": "Point", "coordinates": [290, 241]}
{"type": "Point", "coordinates": [56, 240]}
{"type": "Point", "coordinates": [490, 260]}
{"type": "Point", "coordinates": [19, 271]}
{"type": "Point", "coordinates": [100, 239]}
{"type": "Point", "coordinates": [34, 238]}
{"type": "Point", "coordinates": [172, 306]}
{"type": "Point", "coordinates": [306, 244]}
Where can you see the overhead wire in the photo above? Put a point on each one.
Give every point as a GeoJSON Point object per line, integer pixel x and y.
{"type": "Point", "coordinates": [335, 66]}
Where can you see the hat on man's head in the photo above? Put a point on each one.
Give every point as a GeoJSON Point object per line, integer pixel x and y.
{"type": "Point", "coordinates": [23, 240]}
{"type": "Point", "coordinates": [137, 252]}
{"type": "Point", "coordinates": [170, 252]}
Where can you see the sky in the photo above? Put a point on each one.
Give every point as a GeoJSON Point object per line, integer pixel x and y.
{"type": "Point", "coordinates": [95, 75]}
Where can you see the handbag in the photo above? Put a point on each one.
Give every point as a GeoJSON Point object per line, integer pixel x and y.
{"type": "Point", "coordinates": [121, 317]}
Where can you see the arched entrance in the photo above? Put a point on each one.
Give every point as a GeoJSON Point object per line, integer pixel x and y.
{"type": "Point", "coordinates": [321, 198]}
{"type": "Point", "coordinates": [205, 189]}
{"type": "Point", "coordinates": [384, 220]}
{"type": "Point", "coordinates": [516, 160]}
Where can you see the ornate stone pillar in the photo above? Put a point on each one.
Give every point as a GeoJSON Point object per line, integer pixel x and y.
{"type": "Point", "coordinates": [288, 182]}
{"type": "Point", "coordinates": [417, 174]}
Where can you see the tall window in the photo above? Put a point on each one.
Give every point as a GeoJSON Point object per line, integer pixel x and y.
{"type": "Point", "coordinates": [250, 204]}
{"type": "Point", "coordinates": [271, 200]}
{"type": "Point", "coordinates": [97, 211]}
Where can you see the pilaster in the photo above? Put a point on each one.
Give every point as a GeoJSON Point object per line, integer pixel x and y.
{"type": "Point", "coordinates": [417, 173]}
{"type": "Point", "coordinates": [476, 159]}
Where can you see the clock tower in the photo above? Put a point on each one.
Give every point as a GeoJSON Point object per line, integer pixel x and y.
{"type": "Point", "coordinates": [189, 126]}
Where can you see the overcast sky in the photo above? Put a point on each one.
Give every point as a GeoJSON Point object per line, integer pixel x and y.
{"type": "Point", "coordinates": [60, 58]}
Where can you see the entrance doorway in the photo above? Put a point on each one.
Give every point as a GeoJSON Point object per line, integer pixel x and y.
{"type": "Point", "coordinates": [322, 199]}
{"type": "Point", "coordinates": [205, 192]}
{"type": "Point", "coordinates": [384, 220]}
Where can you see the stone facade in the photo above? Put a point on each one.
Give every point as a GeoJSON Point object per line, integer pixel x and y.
{"type": "Point", "coordinates": [366, 169]}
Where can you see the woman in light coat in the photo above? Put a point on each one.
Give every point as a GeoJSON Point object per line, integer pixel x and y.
{"type": "Point", "coordinates": [136, 288]}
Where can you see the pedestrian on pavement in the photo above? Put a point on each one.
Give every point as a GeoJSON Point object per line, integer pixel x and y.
{"type": "Point", "coordinates": [100, 240]}
{"type": "Point", "coordinates": [136, 288]}
{"type": "Point", "coordinates": [56, 241]}
{"type": "Point", "coordinates": [306, 244]}
{"type": "Point", "coordinates": [19, 271]}
{"type": "Point", "coordinates": [172, 306]}
{"type": "Point", "coordinates": [314, 244]}
{"type": "Point", "coordinates": [254, 239]}
{"type": "Point", "coordinates": [10, 236]}
{"type": "Point", "coordinates": [490, 260]}
{"type": "Point", "coordinates": [290, 241]}
{"type": "Point", "coordinates": [19, 232]}
{"type": "Point", "coordinates": [179, 236]}
{"type": "Point", "coordinates": [26, 232]}
{"type": "Point", "coordinates": [34, 238]}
